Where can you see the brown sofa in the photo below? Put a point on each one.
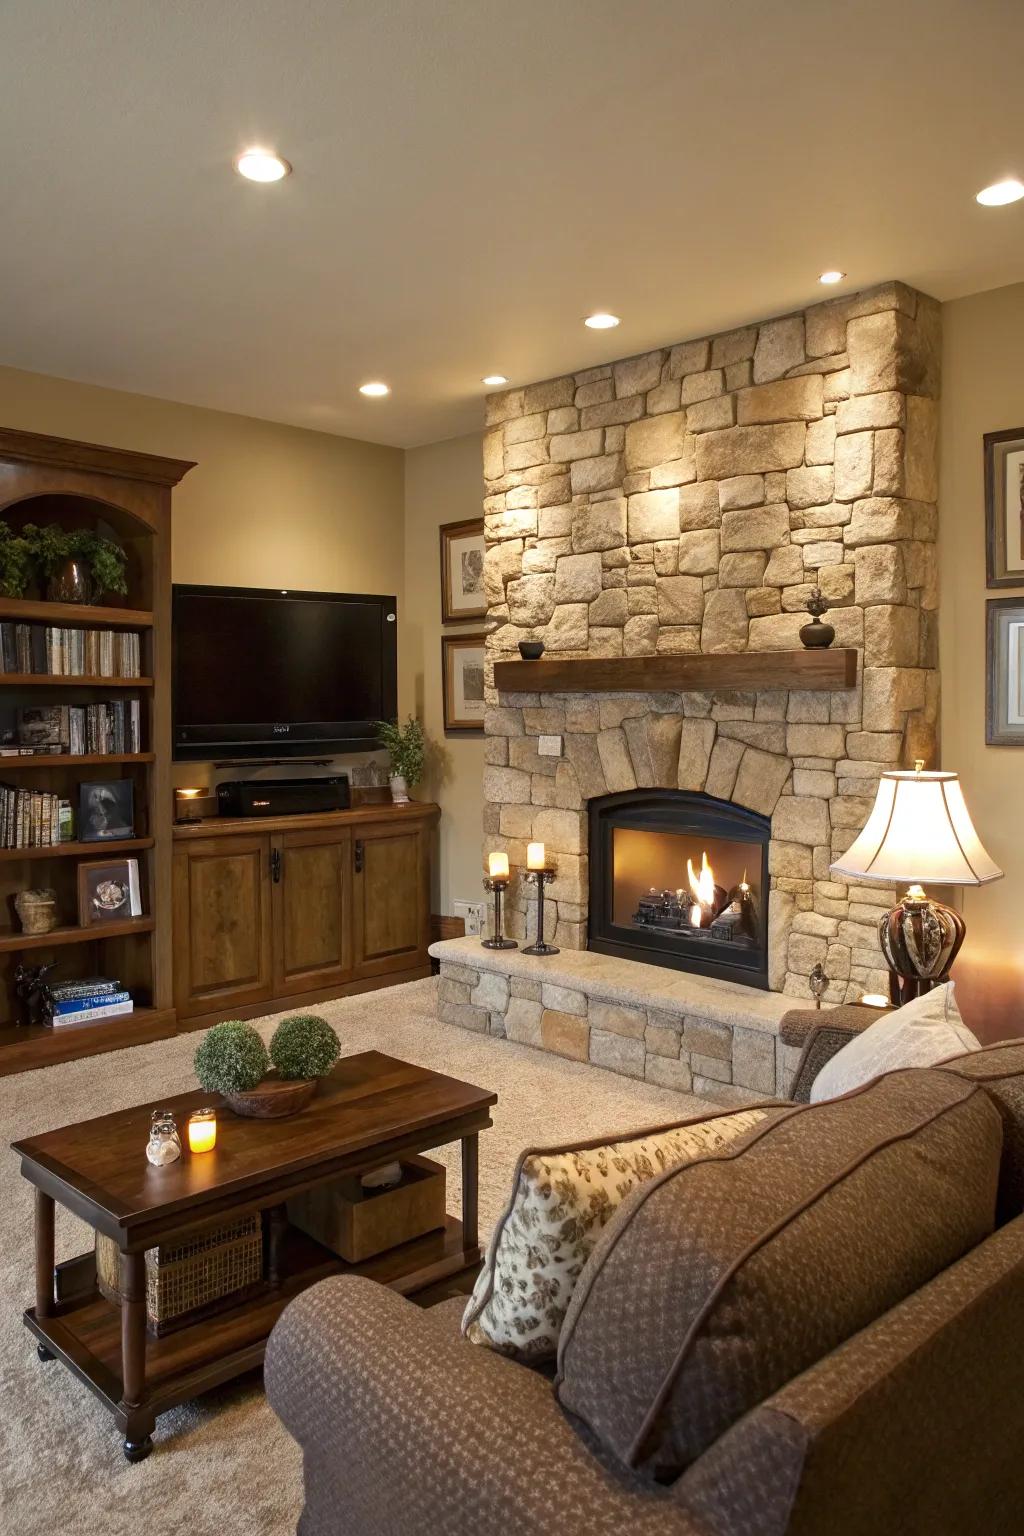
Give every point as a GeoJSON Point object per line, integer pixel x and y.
{"type": "Point", "coordinates": [796, 1403]}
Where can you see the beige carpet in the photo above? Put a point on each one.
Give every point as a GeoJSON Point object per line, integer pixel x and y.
{"type": "Point", "coordinates": [224, 1465]}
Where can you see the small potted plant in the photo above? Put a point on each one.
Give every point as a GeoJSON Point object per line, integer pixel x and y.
{"type": "Point", "coordinates": [79, 565]}
{"type": "Point", "coordinates": [233, 1061]}
{"type": "Point", "coordinates": [406, 746]}
{"type": "Point", "coordinates": [16, 563]}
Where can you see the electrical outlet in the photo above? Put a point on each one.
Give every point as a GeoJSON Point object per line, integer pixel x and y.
{"type": "Point", "coordinates": [472, 914]}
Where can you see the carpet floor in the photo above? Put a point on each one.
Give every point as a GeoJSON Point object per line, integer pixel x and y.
{"type": "Point", "coordinates": [223, 1465]}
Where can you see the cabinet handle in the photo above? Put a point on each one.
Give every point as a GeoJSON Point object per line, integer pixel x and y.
{"type": "Point", "coordinates": [275, 865]}
{"type": "Point", "coordinates": [359, 856]}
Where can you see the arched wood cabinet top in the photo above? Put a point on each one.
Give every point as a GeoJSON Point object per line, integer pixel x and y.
{"type": "Point", "coordinates": [132, 485]}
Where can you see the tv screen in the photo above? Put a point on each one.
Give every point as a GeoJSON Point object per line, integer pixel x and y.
{"type": "Point", "coordinates": [277, 674]}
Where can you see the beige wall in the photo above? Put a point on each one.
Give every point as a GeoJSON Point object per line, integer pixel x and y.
{"type": "Point", "coordinates": [982, 391]}
{"type": "Point", "coordinates": [443, 484]}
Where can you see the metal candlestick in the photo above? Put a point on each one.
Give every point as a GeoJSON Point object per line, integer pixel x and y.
{"type": "Point", "coordinates": [540, 878]}
{"type": "Point", "coordinates": [497, 885]}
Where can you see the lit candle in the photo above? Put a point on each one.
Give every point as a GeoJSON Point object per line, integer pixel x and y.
{"type": "Point", "coordinates": [497, 866]}
{"type": "Point", "coordinates": [535, 856]}
{"type": "Point", "coordinates": [874, 1000]}
{"type": "Point", "coordinates": [202, 1130]}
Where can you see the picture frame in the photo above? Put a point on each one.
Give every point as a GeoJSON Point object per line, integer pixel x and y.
{"type": "Point", "coordinates": [462, 683]}
{"type": "Point", "coordinates": [463, 599]}
{"type": "Point", "coordinates": [1004, 508]}
{"type": "Point", "coordinates": [106, 811]}
{"type": "Point", "coordinates": [1004, 671]}
{"type": "Point", "coordinates": [108, 891]}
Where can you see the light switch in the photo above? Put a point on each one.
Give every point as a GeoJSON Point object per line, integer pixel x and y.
{"type": "Point", "coordinates": [549, 746]}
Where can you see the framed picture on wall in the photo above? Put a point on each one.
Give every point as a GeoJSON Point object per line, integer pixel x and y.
{"type": "Point", "coordinates": [1004, 663]}
{"type": "Point", "coordinates": [1004, 507]}
{"type": "Point", "coordinates": [462, 571]}
{"type": "Point", "coordinates": [462, 674]}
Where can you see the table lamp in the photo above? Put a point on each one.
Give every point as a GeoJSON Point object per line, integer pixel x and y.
{"type": "Point", "coordinates": [919, 831]}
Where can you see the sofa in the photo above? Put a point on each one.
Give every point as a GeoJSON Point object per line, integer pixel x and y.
{"type": "Point", "coordinates": [853, 1368]}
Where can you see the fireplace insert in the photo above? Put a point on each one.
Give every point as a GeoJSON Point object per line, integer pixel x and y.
{"type": "Point", "coordinates": [680, 879]}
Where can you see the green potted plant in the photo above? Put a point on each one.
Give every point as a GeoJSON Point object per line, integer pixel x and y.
{"type": "Point", "coordinates": [79, 565]}
{"type": "Point", "coordinates": [406, 747]}
{"type": "Point", "coordinates": [16, 563]}
{"type": "Point", "coordinates": [233, 1061]}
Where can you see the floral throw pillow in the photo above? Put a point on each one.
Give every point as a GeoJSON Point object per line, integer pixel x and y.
{"type": "Point", "coordinates": [561, 1200]}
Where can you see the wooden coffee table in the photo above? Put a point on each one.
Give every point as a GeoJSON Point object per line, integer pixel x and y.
{"type": "Point", "coordinates": [371, 1109]}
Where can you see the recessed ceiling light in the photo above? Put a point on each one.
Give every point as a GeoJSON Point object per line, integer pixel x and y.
{"type": "Point", "coordinates": [602, 321]}
{"type": "Point", "coordinates": [1000, 193]}
{"type": "Point", "coordinates": [492, 380]}
{"type": "Point", "coordinates": [375, 389]}
{"type": "Point", "coordinates": [261, 165]}
{"type": "Point", "coordinates": [832, 277]}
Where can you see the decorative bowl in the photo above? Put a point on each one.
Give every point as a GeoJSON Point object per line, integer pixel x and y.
{"type": "Point", "coordinates": [531, 650]}
{"type": "Point", "coordinates": [274, 1098]}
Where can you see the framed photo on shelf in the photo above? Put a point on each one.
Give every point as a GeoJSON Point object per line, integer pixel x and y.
{"type": "Point", "coordinates": [1004, 508]}
{"type": "Point", "coordinates": [108, 891]}
{"type": "Point", "coordinates": [106, 811]}
{"type": "Point", "coordinates": [1004, 668]}
{"type": "Point", "coordinates": [462, 571]}
{"type": "Point", "coordinates": [462, 672]}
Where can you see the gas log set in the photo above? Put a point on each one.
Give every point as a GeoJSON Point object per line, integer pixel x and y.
{"type": "Point", "coordinates": [706, 909]}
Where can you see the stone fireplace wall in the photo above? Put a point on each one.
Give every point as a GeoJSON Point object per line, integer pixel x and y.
{"type": "Point", "coordinates": [688, 500]}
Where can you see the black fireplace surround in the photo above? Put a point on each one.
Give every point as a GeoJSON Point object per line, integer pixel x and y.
{"type": "Point", "coordinates": [647, 851]}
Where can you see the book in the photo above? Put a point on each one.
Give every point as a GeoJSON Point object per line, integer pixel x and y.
{"type": "Point", "coordinates": [89, 986]}
{"type": "Point", "coordinates": [50, 651]}
{"type": "Point", "coordinates": [90, 1015]}
{"type": "Point", "coordinates": [91, 1001]}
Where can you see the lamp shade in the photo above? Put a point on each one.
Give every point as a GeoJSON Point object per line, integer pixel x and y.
{"type": "Point", "coordinates": [919, 831]}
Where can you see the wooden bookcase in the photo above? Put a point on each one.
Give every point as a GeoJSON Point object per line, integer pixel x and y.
{"type": "Point", "coordinates": [128, 497]}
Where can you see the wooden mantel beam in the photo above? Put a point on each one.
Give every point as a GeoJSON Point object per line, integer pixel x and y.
{"type": "Point", "coordinates": [733, 672]}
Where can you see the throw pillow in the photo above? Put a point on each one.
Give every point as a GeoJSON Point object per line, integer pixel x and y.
{"type": "Point", "coordinates": [919, 1034]}
{"type": "Point", "coordinates": [561, 1199]}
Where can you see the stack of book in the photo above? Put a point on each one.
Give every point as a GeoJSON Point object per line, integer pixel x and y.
{"type": "Point", "coordinates": [31, 818]}
{"type": "Point", "coordinates": [84, 1002]}
{"type": "Point", "coordinates": [46, 650]}
{"type": "Point", "coordinates": [112, 726]}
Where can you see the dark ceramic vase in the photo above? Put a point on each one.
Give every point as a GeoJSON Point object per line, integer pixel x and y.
{"type": "Point", "coordinates": [531, 650]}
{"type": "Point", "coordinates": [71, 582]}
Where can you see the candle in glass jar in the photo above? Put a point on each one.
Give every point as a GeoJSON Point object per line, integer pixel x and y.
{"type": "Point", "coordinates": [202, 1130]}
{"type": "Point", "coordinates": [497, 866]}
{"type": "Point", "coordinates": [535, 856]}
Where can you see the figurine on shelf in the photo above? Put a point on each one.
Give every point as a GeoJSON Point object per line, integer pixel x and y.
{"type": "Point", "coordinates": [33, 993]}
{"type": "Point", "coordinates": [818, 982]}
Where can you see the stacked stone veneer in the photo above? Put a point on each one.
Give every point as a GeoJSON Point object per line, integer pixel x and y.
{"type": "Point", "coordinates": [687, 501]}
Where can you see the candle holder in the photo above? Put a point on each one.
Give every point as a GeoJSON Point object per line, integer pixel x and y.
{"type": "Point", "coordinates": [202, 1130]}
{"type": "Point", "coordinates": [497, 885]}
{"type": "Point", "coordinates": [540, 878]}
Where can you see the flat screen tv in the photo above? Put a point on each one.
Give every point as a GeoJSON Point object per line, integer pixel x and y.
{"type": "Point", "coordinates": [266, 674]}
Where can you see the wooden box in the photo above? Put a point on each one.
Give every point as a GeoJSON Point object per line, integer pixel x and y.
{"type": "Point", "coordinates": [359, 1223]}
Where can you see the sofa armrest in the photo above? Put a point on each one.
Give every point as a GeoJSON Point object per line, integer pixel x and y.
{"type": "Point", "coordinates": [404, 1425]}
{"type": "Point", "coordinates": [821, 1044]}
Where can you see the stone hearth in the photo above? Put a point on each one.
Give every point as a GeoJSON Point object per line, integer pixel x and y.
{"type": "Point", "coordinates": [687, 501]}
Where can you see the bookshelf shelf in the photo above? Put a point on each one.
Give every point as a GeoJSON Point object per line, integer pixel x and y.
{"type": "Point", "coordinates": [56, 680]}
{"type": "Point", "coordinates": [23, 1047]}
{"type": "Point", "coordinates": [98, 850]}
{"type": "Point", "coordinates": [12, 942]}
{"type": "Point", "coordinates": [70, 760]}
{"type": "Point", "coordinates": [74, 615]}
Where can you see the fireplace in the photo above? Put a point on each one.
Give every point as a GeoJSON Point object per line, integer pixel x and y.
{"type": "Point", "coordinates": [680, 879]}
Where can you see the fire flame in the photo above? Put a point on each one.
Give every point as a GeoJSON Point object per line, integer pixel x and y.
{"type": "Point", "coordinates": [702, 885]}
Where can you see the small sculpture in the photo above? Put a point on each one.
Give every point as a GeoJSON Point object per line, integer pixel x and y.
{"type": "Point", "coordinates": [33, 993]}
{"type": "Point", "coordinates": [818, 983]}
{"type": "Point", "coordinates": [164, 1144]}
{"type": "Point", "coordinates": [816, 634]}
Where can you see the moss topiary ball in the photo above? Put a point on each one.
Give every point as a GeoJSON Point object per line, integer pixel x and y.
{"type": "Point", "coordinates": [304, 1046]}
{"type": "Point", "coordinates": [231, 1058]}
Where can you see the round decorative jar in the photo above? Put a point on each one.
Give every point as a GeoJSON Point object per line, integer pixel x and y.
{"type": "Point", "coordinates": [36, 909]}
{"type": "Point", "coordinates": [71, 582]}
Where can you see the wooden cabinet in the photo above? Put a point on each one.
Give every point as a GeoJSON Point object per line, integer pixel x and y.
{"type": "Point", "coordinates": [268, 913]}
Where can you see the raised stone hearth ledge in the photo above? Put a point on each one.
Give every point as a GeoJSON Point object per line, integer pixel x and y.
{"type": "Point", "coordinates": [712, 1038]}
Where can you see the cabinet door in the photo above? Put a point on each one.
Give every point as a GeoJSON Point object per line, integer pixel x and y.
{"type": "Point", "coordinates": [312, 884]}
{"type": "Point", "coordinates": [391, 896]}
{"type": "Point", "coordinates": [222, 923]}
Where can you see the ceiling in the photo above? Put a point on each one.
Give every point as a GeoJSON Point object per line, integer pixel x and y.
{"type": "Point", "coordinates": [472, 177]}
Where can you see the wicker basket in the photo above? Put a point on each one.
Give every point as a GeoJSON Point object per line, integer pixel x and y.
{"type": "Point", "coordinates": [207, 1267]}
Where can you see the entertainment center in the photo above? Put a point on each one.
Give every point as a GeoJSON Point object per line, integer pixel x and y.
{"type": "Point", "coordinates": [298, 891]}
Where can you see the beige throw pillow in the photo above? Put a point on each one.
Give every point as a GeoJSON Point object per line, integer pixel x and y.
{"type": "Point", "coordinates": [561, 1200]}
